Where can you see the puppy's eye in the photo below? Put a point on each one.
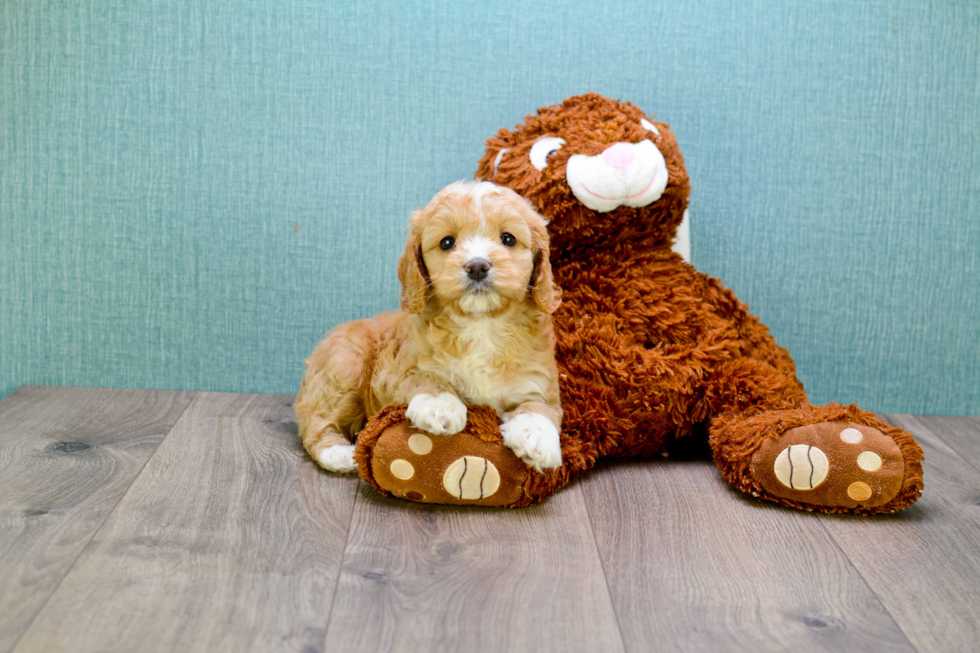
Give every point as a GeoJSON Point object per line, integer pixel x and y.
{"type": "Point", "coordinates": [540, 151]}
{"type": "Point", "coordinates": [508, 239]}
{"type": "Point", "coordinates": [447, 243]}
{"type": "Point", "coordinates": [649, 126]}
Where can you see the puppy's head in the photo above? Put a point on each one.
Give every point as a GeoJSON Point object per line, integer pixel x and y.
{"type": "Point", "coordinates": [478, 248]}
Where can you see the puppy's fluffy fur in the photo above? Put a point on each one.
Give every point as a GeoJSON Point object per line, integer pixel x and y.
{"type": "Point", "coordinates": [459, 339]}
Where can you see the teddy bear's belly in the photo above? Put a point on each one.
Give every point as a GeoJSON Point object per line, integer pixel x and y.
{"type": "Point", "coordinates": [624, 384]}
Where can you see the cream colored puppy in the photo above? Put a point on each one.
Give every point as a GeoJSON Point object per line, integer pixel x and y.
{"type": "Point", "coordinates": [475, 328]}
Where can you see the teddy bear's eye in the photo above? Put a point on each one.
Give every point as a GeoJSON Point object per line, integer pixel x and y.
{"type": "Point", "coordinates": [544, 148]}
{"type": "Point", "coordinates": [447, 243]}
{"type": "Point", "coordinates": [649, 126]}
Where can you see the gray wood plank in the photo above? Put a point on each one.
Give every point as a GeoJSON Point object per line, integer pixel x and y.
{"type": "Point", "coordinates": [442, 578]}
{"type": "Point", "coordinates": [924, 562]}
{"type": "Point", "coordinates": [67, 456]}
{"type": "Point", "coordinates": [230, 540]}
{"type": "Point", "coordinates": [694, 565]}
{"type": "Point", "coordinates": [962, 434]}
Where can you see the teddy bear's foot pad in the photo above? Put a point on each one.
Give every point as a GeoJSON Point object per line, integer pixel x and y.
{"type": "Point", "coordinates": [457, 469]}
{"type": "Point", "coordinates": [837, 464]}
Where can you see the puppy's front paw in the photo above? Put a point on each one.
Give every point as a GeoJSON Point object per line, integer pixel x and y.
{"type": "Point", "coordinates": [534, 438]}
{"type": "Point", "coordinates": [442, 414]}
{"type": "Point", "coordinates": [338, 458]}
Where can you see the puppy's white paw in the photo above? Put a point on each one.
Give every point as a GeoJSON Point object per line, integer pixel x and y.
{"type": "Point", "coordinates": [534, 438]}
{"type": "Point", "coordinates": [442, 414]}
{"type": "Point", "coordinates": [338, 458]}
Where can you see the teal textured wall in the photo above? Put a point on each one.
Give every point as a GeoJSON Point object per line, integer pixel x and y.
{"type": "Point", "coordinates": [192, 193]}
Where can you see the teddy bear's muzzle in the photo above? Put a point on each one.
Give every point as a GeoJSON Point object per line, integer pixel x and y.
{"type": "Point", "coordinates": [630, 174]}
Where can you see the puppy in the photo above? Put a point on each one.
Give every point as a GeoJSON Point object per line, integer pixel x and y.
{"type": "Point", "coordinates": [475, 328]}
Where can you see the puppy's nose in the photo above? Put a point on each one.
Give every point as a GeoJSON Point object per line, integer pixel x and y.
{"type": "Point", "coordinates": [477, 269]}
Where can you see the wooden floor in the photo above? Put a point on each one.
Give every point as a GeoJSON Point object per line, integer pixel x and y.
{"type": "Point", "coordinates": [174, 521]}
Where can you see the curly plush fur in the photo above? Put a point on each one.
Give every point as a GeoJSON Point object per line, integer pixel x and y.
{"type": "Point", "coordinates": [651, 351]}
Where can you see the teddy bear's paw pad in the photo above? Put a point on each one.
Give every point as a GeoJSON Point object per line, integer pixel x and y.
{"type": "Point", "coordinates": [801, 467]}
{"type": "Point", "coordinates": [471, 478]}
{"type": "Point", "coordinates": [831, 464]}
{"type": "Point", "coordinates": [458, 469]}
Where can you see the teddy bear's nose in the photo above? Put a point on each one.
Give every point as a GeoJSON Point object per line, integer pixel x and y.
{"type": "Point", "coordinates": [619, 156]}
{"type": "Point", "coordinates": [477, 269]}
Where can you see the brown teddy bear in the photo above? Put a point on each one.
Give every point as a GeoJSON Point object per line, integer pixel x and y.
{"type": "Point", "coordinates": [650, 351]}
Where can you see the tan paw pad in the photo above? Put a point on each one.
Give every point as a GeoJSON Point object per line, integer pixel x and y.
{"type": "Point", "coordinates": [869, 461]}
{"type": "Point", "coordinates": [472, 478]}
{"type": "Point", "coordinates": [851, 436]}
{"type": "Point", "coordinates": [420, 444]}
{"type": "Point", "coordinates": [859, 491]}
{"type": "Point", "coordinates": [801, 467]}
{"type": "Point", "coordinates": [402, 469]}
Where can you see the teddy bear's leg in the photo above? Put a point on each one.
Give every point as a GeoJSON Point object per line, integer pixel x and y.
{"type": "Point", "coordinates": [778, 446]}
{"type": "Point", "coordinates": [472, 467]}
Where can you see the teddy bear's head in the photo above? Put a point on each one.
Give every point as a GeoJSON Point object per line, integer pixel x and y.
{"type": "Point", "coordinates": [600, 170]}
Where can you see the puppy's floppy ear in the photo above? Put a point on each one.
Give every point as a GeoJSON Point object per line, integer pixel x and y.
{"type": "Point", "coordinates": [412, 273]}
{"type": "Point", "coordinates": [542, 288]}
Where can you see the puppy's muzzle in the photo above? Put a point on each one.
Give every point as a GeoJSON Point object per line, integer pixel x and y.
{"type": "Point", "coordinates": [477, 269]}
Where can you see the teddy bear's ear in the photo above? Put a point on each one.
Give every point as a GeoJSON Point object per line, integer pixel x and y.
{"type": "Point", "coordinates": [490, 162]}
{"type": "Point", "coordinates": [413, 274]}
{"type": "Point", "coordinates": [496, 149]}
{"type": "Point", "coordinates": [496, 160]}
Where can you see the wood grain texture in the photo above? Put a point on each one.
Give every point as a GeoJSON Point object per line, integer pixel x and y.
{"type": "Point", "coordinates": [962, 434]}
{"type": "Point", "coordinates": [693, 565]}
{"type": "Point", "coordinates": [231, 539]}
{"type": "Point", "coordinates": [223, 535]}
{"type": "Point", "coordinates": [439, 578]}
{"type": "Point", "coordinates": [67, 456]}
{"type": "Point", "coordinates": [924, 562]}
